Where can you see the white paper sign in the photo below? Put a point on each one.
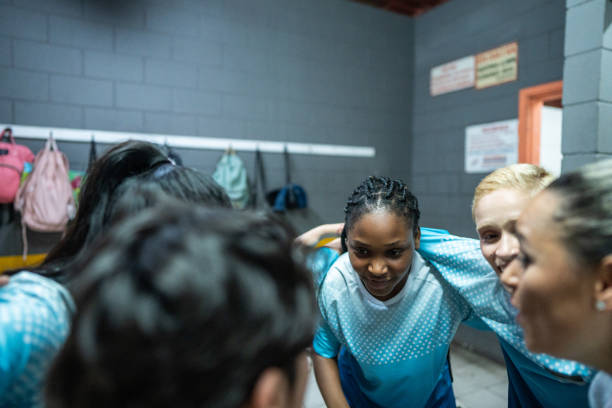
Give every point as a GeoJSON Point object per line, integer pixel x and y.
{"type": "Point", "coordinates": [490, 146]}
{"type": "Point", "coordinates": [453, 76]}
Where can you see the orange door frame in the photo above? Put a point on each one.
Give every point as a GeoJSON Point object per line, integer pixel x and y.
{"type": "Point", "coordinates": [530, 107]}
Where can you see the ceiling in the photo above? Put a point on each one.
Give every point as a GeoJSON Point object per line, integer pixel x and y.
{"type": "Point", "coordinates": [407, 7]}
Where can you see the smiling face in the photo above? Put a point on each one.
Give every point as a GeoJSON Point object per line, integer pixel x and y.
{"type": "Point", "coordinates": [495, 215]}
{"type": "Point", "coordinates": [381, 245]}
{"type": "Point", "coordinates": [555, 296]}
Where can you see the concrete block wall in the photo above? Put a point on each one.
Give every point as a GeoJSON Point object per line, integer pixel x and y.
{"type": "Point", "coordinates": [587, 90]}
{"type": "Point", "coordinates": [319, 71]}
{"type": "Point", "coordinates": [454, 30]}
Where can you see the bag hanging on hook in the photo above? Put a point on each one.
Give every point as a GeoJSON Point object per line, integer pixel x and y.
{"type": "Point", "coordinates": [13, 158]}
{"type": "Point", "coordinates": [291, 196]}
{"type": "Point", "coordinates": [45, 199]}
{"type": "Point", "coordinates": [232, 176]}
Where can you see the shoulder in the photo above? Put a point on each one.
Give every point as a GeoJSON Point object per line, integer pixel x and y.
{"type": "Point", "coordinates": [35, 315]}
{"type": "Point", "coordinates": [339, 285]}
{"type": "Point", "coordinates": [423, 271]}
{"type": "Point", "coordinates": [340, 274]}
{"type": "Point", "coordinates": [319, 262]}
{"type": "Point", "coordinates": [35, 299]}
{"type": "Point", "coordinates": [34, 287]}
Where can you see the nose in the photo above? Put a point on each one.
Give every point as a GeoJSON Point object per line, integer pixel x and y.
{"type": "Point", "coordinates": [511, 276]}
{"type": "Point", "coordinates": [377, 267]}
{"type": "Point", "coordinates": [508, 247]}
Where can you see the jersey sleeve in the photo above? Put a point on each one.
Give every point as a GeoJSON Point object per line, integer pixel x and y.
{"type": "Point", "coordinates": [461, 264]}
{"type": "Point", "coordinates": [325, 342]}
{"type": "Point", "coordinates": [34, 322]}
{"type": "Point", "coordinates": [13, 351]}
{"type": "Point", "coordinates": [319, 263]}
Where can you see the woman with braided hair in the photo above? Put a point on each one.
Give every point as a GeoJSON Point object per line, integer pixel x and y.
{"type": "Point", "coordinates": [387, 316]}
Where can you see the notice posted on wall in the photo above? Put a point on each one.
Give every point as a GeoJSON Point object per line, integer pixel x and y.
{"type": "Point", "coordinates": [490, 146]}
{"type": "Point", "coordinates": [452, 76]}
{"type": "Point", "coordinates": [497, 66]}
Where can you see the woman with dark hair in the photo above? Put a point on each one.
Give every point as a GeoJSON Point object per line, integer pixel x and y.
{"type": "Point", "coordinates": [128, 159]}
{"type": "Point", "coordinates": [564, 295]}
{"type": "Point", "coordinates": [211, 308]}
{"type": "Point", "coordinates": [387, 315]}
{"type": "Point", "coordinates": [34, 310]}
{"type": "Point", "coordinates": [133, 162]}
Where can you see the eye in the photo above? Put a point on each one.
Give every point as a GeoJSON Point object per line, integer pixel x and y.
{"type": "Point", "coordinates": [489, 236]}
{"type": "Point", "coordinates": [360, 252]}
{"type": "Point", "coordinates": [395, 252]}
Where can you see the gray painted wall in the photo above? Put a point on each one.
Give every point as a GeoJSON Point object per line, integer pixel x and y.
{"type": "Point", "coordinates": [454, 30]}
{"type": "Point", "coordinates": [320, 71]}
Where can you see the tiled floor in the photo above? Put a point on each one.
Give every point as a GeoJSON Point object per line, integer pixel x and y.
{"type": "Point", "coordinates": [478, 382]}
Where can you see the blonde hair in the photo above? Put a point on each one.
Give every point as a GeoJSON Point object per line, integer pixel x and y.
{"type": "Point", "coordinates": [527, 178]}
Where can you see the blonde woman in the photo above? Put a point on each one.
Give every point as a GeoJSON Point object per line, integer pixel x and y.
{"type": "Point", "coordinates": [480, 271]}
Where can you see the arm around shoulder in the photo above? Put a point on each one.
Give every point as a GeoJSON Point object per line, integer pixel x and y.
{"type": "Point", "coordinates": [313, 236]}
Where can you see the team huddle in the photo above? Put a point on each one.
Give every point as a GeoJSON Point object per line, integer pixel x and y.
{"type": "Point", "coordinates": [160, 294]}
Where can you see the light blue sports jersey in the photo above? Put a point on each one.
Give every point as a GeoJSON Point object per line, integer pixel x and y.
{"type": "Point", "coordinates": [460, 261]}
{"type": "Point", "coordinates": [400, 344]}
{"type": "Point", "coordinates": [319, 263]}
{"type": "Point", "coordinates": [35, 315]}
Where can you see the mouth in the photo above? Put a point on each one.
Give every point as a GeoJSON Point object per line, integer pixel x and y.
{"type": "Point", "coordinates": [377, 284]}
{"type": "Point", "coordinates": [500, 268]}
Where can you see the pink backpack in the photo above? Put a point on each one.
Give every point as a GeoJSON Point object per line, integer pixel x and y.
{"type": "Point", "coordinates": [12, 159]}
{"type": "Point", "coordinates": [45, 198]}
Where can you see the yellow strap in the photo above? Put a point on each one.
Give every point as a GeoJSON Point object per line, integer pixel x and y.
{"type": "Point", "coordinates": [325, 241]}
{"type": "Point", "coordinates": [17, 261]}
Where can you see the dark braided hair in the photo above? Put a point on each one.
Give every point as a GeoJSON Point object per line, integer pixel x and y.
{"type": "Point", "coordinates": [376, 193]}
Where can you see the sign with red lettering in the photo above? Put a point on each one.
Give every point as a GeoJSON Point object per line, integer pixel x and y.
{"type": "Point", "coordinates": [490, 146]}
{"type": "Point", "coordinates": [453, 76]}
{"type": "Point", "coordinates": [497, 66]}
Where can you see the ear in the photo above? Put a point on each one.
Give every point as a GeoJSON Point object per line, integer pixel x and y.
{"type": "Point", "coordinates": [603, 284]}
{"type": "Point", "coordinates": [417, 238]}
{"type": "Point", "coordinates": [271, 390]}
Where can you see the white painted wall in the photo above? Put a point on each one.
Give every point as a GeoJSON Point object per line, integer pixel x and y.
{"type": "Point", "coordinates": [550, 139]}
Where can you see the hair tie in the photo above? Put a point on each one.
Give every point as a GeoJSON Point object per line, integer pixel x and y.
{"type": "Point", "coordinates": [162, 168]}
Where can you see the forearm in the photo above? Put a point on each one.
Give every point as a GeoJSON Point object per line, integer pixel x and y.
{"type": "Point", "coordinates": [313, 236]}
{"type": "Point", "coordinates": [328, 380]}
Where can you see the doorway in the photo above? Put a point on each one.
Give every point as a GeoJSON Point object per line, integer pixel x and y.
{"type": "Point", "coordinates": [540, 123]}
